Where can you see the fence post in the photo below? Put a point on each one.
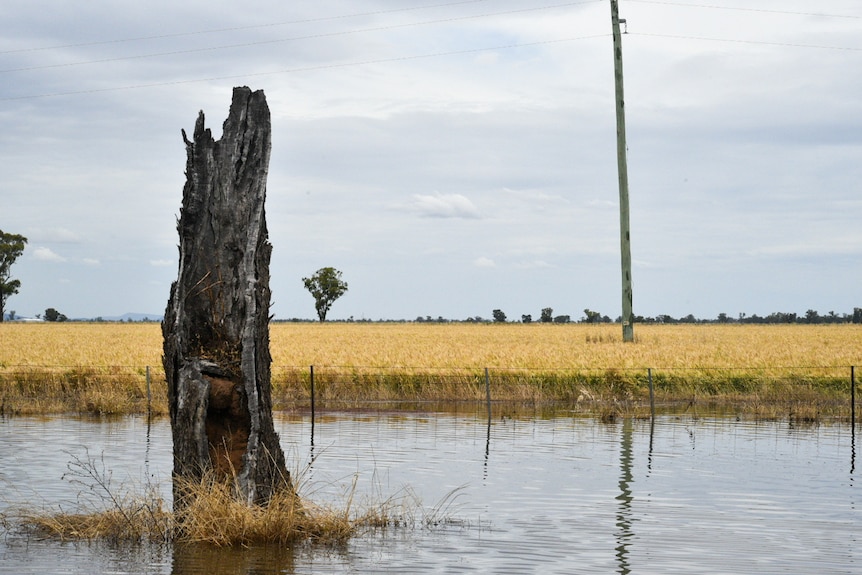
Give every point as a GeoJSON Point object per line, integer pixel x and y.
{"type": "Point", "coordinates": [149, 394]}
{"type": "Point", "coordinates": [311, 380]}
{"type": "Point", "coordinates": [651, 394]}
{"type": "Point", "coordinates": [853, 397]}
{"type": "Point", "coordinates": [488, 392]}
{"type": "Point", "coordinates": [311, 373]}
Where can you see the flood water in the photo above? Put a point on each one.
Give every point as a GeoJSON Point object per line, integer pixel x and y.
{"type": "Point", "coordinates": [521, 494]}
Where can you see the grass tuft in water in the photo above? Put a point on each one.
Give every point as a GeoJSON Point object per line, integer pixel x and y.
{"type": "Point", "coordinates": [214, 515]}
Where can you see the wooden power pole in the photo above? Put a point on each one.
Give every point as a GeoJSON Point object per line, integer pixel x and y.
{"type": "Point", "coordinates": [622, 169]}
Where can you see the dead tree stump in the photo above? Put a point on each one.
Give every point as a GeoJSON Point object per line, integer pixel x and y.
{"type": "Point", "coordinates": [216, 326]}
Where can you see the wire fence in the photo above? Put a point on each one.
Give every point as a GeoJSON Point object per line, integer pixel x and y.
{"type": "Point", "coordinates": [125, 389]}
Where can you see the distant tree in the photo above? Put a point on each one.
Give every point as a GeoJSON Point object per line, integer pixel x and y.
{"type": "Point", "coordinates": [780, 317]}
{"type": "Point", "coordinates": [722, 318]}
{"type": "Point", "coordinates": [811, 316]}
{"type": "Point", "coordinates": [325, 286]}
{"type": "Point", "coordinates": [562, 319]}
{"type": "Point", "coordinates": [547, 315]}
{"type": "Point", "coordinates": [52, 314]}
{"type": "Point", "coordinates": [499, 316]}
{"type": "Point", "coordinates": [12, 315]}
{"type": "Point", "coordinates": [591, 316]}
{"type": "Point", "coordinates": [857, 315]}
{"type": "Point", "coordinates": [11, 247]}
{"type": "Point", "coordinates": [526, 318]}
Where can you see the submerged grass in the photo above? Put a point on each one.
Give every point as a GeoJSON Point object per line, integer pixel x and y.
{"type": "Point", "coordinates": [213, 516]}
{"type": "Point", "coordinates": [107, 390]}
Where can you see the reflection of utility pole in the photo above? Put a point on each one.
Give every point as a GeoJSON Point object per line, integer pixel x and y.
{"type": "Point", "coordinates": [625, 498]}
{"type": "Point", "coordinates": [622, 169]}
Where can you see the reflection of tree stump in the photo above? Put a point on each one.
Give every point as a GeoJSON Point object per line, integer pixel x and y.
{"type": "Point", "coordinates": [216, 326]}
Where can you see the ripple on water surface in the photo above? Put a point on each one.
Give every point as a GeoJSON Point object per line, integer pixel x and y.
{"type": "Point", "coordinates": [558, 495]}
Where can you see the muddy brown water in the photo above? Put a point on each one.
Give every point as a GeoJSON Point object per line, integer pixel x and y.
{"type": "Point", "coordinates": [523, 494]}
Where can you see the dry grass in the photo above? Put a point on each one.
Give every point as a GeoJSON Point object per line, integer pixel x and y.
{"type": "Point", "coordinates": [213, 516]}
{"type": "Point", "coordinates": [47, 368]}
{"type": "Point", "coordinates": [104, 510]}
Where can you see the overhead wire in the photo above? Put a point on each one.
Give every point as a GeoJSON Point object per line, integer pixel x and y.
{"type": "Point", "coordinates": [745, 9]}
{"type": "Point", "coordinates": [391, 27]}
{"type": "Point", "coordinates": [296, 38]}
{"type": "Point", "coordinates": [738, 41]}
{"type": "Point", "coordinates": [305, 68]}
{"type": "Point", "coordinates": [239, 28]}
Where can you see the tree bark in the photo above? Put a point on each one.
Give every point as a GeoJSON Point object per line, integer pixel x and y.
{"type": "Point", "coordinates": [216, 326]}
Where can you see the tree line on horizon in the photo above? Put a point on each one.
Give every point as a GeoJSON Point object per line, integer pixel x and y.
{"type": "Point", "coordinates": [591, 317]}
{"type": "Point", "coordinates": [326, 286]}
{"type": "Point", "coordinates": [810, 317]}
{"type": "Point", "coordinates": [547, 316]}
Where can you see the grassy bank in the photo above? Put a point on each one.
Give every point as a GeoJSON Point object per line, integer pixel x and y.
{"type": "Point", "coordinates": [101, 368]}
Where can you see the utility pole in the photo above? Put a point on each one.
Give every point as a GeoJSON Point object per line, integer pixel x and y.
{"type": "Point", "coordinates": [625, 236]}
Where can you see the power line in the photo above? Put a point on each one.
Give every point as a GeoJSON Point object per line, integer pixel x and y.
{"type": "Point", "coordinates": [762, 10]}
{"type": "Point", "coordinates": [263, 42]}
{"type": "Point", "coordinates": [238, 28]}
{"type": "Point", "coordinates": [756, 42]}
{"type": "Point", "coordinates": [305, 69]}
{"type": "Point", "coordinates": [281, 40]}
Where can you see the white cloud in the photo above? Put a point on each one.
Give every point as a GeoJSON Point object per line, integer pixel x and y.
{"type": "Point", "coordinates": [47, 255]}
{"type": "Point", "coordinates": [510, 153]}
{"type": "Point", "coordinates": [445, 206]}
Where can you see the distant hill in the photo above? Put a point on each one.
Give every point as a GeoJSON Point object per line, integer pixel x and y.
{"type": "Point", "coordinates": [134, 317]}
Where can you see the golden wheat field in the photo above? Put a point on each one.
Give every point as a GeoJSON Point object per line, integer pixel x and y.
{"type": "Point", "coordinates": [102, 365]}
{"type": "Point", "coordinates": [457, 345]}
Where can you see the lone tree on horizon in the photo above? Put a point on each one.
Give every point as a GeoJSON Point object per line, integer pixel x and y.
{"type": "Point", "coordinates": [325, 286]}
{"type": "Point", "coordinates": [11, 248]}
{"type": "Point", "coordinates": [216, 326]}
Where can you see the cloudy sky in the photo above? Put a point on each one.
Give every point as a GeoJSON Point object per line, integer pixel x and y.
{"type": "Point", "coordinates": [449, 157]}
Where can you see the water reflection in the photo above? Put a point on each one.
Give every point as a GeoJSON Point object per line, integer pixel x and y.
{"type": "Point", "coordinates": [852, 449]}
{"type": "Point", "coordinates": [624, 511]}
{"type": "Point", "coordinates": [200, 559]}
{"type": "Point", "coordinates": [487, 448]}
{"type": "Point", "coordinates": [651, 438]}
{"type": "Point", "coordinates": [548, 493]}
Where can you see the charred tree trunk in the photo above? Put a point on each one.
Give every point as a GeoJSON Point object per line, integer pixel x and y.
{"type": "Point", "coordinates": [216, 326]}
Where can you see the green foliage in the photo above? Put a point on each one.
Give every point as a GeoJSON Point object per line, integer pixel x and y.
{"type": "Point", "coordinates": [547, 315]}
{"type": "Point", "coordinates": [499, 316]}
{"type": "Point", "coordinates": [11, 247]}
{"type": "Point", "coordinates": [591, 316]}
{"type": "Point", "coordinates": [52, 314]}
{"type": "Point", "coordinates": [325, 286]}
